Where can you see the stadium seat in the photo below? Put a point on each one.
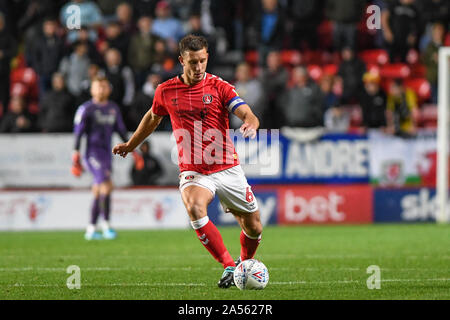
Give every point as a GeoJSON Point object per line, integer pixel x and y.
{"type": "Point", "coordinates": [330, 69]}
{"type": "Point", "coordinates": [325, 34]}
{"type": "Point", "coordinates": [25, 75]}
{"type": "Point", "coordinates": [373, 68]}
{"type": "Point", "coordinates": [252, 57]}
{"type": "Point", "coordinates": [315, 72]}
{"type": "Point", "coordinates": [418, 71]}
{"type": "Point", "coordinates": [376, 56]}
{"type": "Point", "coordinates": [291, 57]}
{"type": "Point", "coordinates": [421, 87]}
{"type": "Point", "coordinates": [412, 57]}
{"type": "Point", "coordinates": [428, 116]}
{"type": "Point", "coordinates": [395, 70]}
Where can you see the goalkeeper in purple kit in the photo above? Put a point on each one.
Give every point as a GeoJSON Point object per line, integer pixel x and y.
{"type": "Point", "coordinates": [98, 119]}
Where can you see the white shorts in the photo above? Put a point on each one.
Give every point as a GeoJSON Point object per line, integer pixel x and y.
{"type": "Point", "coordinates": [230, 185]}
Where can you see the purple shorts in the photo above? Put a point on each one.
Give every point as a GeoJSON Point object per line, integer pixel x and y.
{"type": "Point", "coordinates": [100, 166]}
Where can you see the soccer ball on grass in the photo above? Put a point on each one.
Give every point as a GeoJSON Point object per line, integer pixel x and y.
{"type": "Point", "coordinates": [251, 274]}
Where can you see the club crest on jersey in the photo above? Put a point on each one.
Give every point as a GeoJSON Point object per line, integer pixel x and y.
{"type": "Point", "coordinates": [207, 99]}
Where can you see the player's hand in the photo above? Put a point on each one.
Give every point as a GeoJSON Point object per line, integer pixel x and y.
{"type": "Point", "coordinates": [122, 149]}
{"type": "Point", "coordinates": [248, 130]}
{"type": "Point", "coordinates": [77, 168]}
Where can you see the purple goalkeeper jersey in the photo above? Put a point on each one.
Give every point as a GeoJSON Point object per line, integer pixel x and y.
{"type": "Point", "coordinates": [98, 122]}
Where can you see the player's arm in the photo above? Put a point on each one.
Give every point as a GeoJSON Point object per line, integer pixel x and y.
{"type": "Point", "coordinates": [148, 124]}
{"type": "Point", "coordinates": [250, 121]}
{"type": "Point", "coordinates": [79, 129]}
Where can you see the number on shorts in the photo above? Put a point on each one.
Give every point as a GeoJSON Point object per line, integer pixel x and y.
{"type": "Point", "coordinates": [249, 195]}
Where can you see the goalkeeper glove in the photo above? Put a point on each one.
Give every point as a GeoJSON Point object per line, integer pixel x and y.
{"type": "Point", "coordinates": [77, 168]}
{"type": "Point", "coordinates": [139, 163]}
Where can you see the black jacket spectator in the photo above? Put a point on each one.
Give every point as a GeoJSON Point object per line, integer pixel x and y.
{"type": "Point", "coordinates": [373, 102]}
{"type": "Point", "coordinates": [400, 24]}
{"type": "Point", "coordinates": [18, 119]}
{"type": "Point", "coordinates": [305, 16]}
{"type": "Point", "coordinates": [345, 14]}
{"type": "Point", "coordinates": [273, 79]}
{"type": "Point", "coordinates": [351, 71]}
{"type": "Point", "coordinates": [57, 108]}
{"type": "Point", "coordinates": [47, 52]}
{"type": "Point", "coordinates": [147, 168]}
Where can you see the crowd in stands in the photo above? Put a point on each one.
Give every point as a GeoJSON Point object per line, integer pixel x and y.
{"type": "Point", "coordinates": [297, 63]}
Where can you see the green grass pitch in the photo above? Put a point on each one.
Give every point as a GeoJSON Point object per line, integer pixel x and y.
{"type": "Point", "coordinates": [304, 262]}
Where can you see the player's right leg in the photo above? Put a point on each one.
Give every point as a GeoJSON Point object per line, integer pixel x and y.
{"type": "Point", "coordinates": [196, 199]}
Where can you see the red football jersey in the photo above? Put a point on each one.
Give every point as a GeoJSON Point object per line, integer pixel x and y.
{"type": "Point", "coordinates": [199, 116]}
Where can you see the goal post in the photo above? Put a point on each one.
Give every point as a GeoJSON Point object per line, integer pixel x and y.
{"type": "Point", "coordinates": [443, 131]}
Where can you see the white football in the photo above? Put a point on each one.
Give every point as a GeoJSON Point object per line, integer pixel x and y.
{"type": "Point", "coordinates": [251, 274]}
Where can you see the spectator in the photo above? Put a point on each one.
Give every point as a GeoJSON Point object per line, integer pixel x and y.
{"type": "Point", "coordinates": [195, 27]}
{"type": "Point", "coordinates": [147, 169]}
{"type": "Point", "coordinates": [115, 38]}
{"type": "Point", "coordinates": [222, 19]}
{"type": "Point", "coordinates": [431, 58]}
{"type": "Point", "coordinates": [166, 26]}
{"type": "Point", "coordinates": [350, 73]}
{"type": "Point", "coordinates": [306, 17]}
{"type": "Point", "coordinates": [403, 111]}
{"type": "Point", "coordinates": [94, 55]}
{"type": "Point", "coordinates": [48, 50]}
{"type": "Point", "coordinates": [165, 62]}
{"type": "Point", "coordinates": [432, 12]}
{"type": "Point", "coordinates": [251, 92]}
{"type": "Point", "coordinates": [7, 52]}
{"type": "Point", "coordinates": [345, 15]}
{"type": "Point", "coordinates": [373, 103]}
{"type": "Point", "coordinates": [400, 23]}
{"type": "Point", "coordinates": [18, 119]}
{"type": "Point", "coordinates": [269, 28]}
{"type": "Point", "coordinates": [121, 79]}
{"type": "Point", "coordinates": [330, 99]}
{"type": "Point", "coordinates": [75, 68]}
{"type": "Point", "coordinates": [274, 79]}
{"type": "Point", "coordinates": [142, 51]}
{"type": "Point", "coordinates": [303, 103]}
{"type": "Point", "coordinates": [336, 119]}
{"type": "Point", "coordinates": [108, 8]}
{"type": "Point", "coordinates": [93, 72]}
{"type": "Point", "coordinates": [124, 15]}
{"type": "Point", "coordinates": [144, 7]}
{"type": "Point", "coordinates": [143, 100]}
{"type": "Point", "coordinates": [57, 108]}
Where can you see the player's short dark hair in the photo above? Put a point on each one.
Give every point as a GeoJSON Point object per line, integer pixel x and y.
{"type": "Point", "coordinates": [193, 43]}
{"type": "Point", "coordinates": [100, 78]}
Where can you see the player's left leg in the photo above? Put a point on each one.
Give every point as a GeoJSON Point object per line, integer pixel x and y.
{"type": "Point", "coordinates": [91, 233]}
{"type": "Point", "coordinates": [105, 190]}
{"type": "Point", "coordinates": [251, 232]}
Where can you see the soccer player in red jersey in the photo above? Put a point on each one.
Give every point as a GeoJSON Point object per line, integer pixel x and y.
{"type": "Point", "coordinates": [198, 104]}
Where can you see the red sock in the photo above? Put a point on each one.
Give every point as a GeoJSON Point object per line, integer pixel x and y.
{"type": "Point", "coordinates": [212, 240]}
{"type": "Point", "coordinates": [248, 246]}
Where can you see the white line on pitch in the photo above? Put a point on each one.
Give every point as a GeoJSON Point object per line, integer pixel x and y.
{"type": "Point", "coordinates": [169, 284]}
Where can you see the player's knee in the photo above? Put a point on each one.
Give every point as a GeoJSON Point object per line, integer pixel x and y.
{"type": "Point", "coordinates": [196, 210]}
{"type": "Point", "coordinates": [253, 227]}
{"type": "Point", "coordinates": [255, 230]}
